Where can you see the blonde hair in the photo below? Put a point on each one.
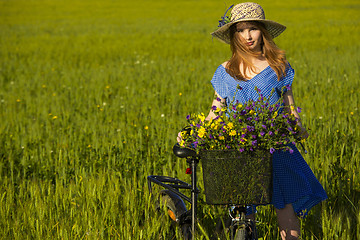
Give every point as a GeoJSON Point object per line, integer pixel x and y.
{"type": "Point", "coordinates": [240, 54]}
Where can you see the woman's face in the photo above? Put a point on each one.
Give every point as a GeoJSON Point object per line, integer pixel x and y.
{"type": "Point", "coordinates": [250, 35]}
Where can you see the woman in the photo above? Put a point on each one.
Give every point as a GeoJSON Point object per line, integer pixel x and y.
{"type": "Point", "coordinates": [257, 62]}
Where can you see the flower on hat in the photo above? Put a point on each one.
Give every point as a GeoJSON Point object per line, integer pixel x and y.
{"type": "Point", "coordinates": [225, 19]}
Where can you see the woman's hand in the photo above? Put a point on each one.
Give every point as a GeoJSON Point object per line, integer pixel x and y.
{"type": "Point", "coordinates": [179, 137]}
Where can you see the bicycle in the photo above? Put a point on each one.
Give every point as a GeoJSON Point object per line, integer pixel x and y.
{"type": "Point", "coordinates": [240, 228]}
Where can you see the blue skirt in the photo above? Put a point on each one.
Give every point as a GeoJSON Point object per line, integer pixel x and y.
{"type": "Point", "coordinates": [294, 182]}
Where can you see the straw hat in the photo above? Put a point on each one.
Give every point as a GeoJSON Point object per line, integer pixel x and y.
{"type": "Point", "coordinates": [247, 11]}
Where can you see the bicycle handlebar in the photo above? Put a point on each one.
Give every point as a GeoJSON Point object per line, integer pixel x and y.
{"type": "Point", "coordinates": [183, 152]}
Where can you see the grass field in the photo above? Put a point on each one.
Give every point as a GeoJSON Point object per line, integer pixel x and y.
{"type": "Point", "coordinates": [93, 94]}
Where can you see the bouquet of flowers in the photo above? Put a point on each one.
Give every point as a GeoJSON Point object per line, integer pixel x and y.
{"type": "Point", "coordinates": [255, 125]}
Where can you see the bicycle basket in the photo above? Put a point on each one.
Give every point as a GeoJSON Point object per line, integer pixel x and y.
{"type": "Point", "coordinates": [232, 177]}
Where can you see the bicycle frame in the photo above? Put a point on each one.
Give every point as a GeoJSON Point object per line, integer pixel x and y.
{"type": "Point", "coordinates": [174, 185]}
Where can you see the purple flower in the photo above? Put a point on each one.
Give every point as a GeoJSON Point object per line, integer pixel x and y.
{"type": "Point", "coordinates": [272, 150]}
{"type": "Point", "coordinates": [198, 125]}
{"type": "Point", "coordinates": [298, 110]}
{"type": "Point", "coordinates": [272, 124]}
{"type": "Point", "coordinates": [214, 108]}
{"type": "Point", "coordinates": [249, 118]}
{"type": "Point", "coordinates": [290, 128]}
{"type": "Point", "coordinates": [262, 133]}
{"type": "Point", "coordinates": [251, 149]}
{"type": "Point", "coordinates": [195, 144]}
{"type": "Point", "coordinates": [288, 87]}
{"type": "Point", "coordinates": [243, 135]}
{"type": "Point", "coordinates": [256, 119]}
{"type": "Point", "coordinates": [235, 116]}
{"type": "Point", "coordinates": [218, 99]}
{"type": "Point", "coordinates": [250, 128]}
{"type": "Point", "coordinates": [228, 147]}
{"type": "Point", "coordinates": [241, 149]}
{"type": "Point", "coordinates": [254, 143]}
{"type": "Point", "coordinates": [271, 133]}
{"type": "Point", "coordinates": [291, 151]}
{"type": "Point", "coordinates": [263, 126]}
{"type": "Point", "coordinates": [188, 117]}
{"type": "Point", "coordinates": [253, 136]}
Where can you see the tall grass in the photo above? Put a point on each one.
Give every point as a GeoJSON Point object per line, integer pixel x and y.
{"type": "Point", "coordinates": [93, 94]}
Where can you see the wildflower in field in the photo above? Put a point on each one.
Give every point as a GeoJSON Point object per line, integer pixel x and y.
{"type": "Point", "coordinates": [146, 127]}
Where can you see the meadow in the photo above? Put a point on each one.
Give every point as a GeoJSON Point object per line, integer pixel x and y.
{"type": "Point", "coordinates": [93, 94]}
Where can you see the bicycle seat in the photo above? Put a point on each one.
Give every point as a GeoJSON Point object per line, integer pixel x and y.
{"type": "Point", "coordinates": [183, 152]}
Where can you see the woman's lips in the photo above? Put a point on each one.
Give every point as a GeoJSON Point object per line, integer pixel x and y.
{"type": "Point", "coordinates": [250, 43]}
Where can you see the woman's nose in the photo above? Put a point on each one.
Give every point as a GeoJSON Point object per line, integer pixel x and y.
{"type": "Point", "coordinates": [247, 35]}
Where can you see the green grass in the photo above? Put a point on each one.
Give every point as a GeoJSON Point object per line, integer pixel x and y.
{"type": "Point", "coordinates": [93, 94]}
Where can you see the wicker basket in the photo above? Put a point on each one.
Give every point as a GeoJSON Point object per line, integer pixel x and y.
{"type": "Point", "coordinates": [231, 177]}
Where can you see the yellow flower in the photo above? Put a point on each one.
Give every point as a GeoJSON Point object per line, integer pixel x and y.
{"type": "Point", "coordinates": [232, 133]}
{"type": "Point", "coordinates": [230, 125]}
{"type": "Point", "coordinates": [202, 132]}
{"type": "Point", "coordinates": [275, 114]}
{"type": "Point", "coordinates": [184, 134]}
{"type": "Point", "coordinates": [146, 127]}
{"type": "Point", "coordinates": [221, 138]}
{"type": "Point", "coordinates": [214, 126]}
{"type": "Point", "coordinates": [252, 112]}
{"type": "Point", "coordinates": [201, 117]}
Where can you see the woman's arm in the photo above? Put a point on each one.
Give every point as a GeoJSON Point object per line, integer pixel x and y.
{"type": "Point", "coordinates": [218, 104]}
{"type": "Point", "coordinates": [289, 101]}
